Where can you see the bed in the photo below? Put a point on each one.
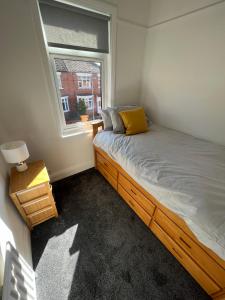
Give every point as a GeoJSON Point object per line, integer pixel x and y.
{"type": "Point", "coordinates": [176, 185]}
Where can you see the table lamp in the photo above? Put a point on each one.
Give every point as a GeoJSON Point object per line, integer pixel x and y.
{"type": "Point", "coordinates": [16, 153]}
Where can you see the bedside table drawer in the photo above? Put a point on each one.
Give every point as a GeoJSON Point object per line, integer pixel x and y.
{"type": "Point", "coordinates": [32, 193]}
{"type": "Point", "coordinates": [41, 215]}
{"type": "Point", "coordinates": [36, 204]}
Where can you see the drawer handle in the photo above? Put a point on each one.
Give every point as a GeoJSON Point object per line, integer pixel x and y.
{"type": "Point", "coordinates": [184, 242]}
{"type": "Point", "coordinates": [133, 192]}
{"type": "Point", "coordinates": [131, 203]}
{"type": "Point", "coordinates": [177, 253]}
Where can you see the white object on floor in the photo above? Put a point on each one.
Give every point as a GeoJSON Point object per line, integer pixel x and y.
{"type": "Point", "coordinates": [19, 278]}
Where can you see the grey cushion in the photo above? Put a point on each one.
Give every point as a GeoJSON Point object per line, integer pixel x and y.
{"type": "Point", "coordinates": [106, 118]}
{"type": "Point", "coordinates": [118, 126]}
{"type": "Point", "coordinates": [117, 122]}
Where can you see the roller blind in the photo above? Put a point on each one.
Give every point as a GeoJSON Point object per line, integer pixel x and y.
{"type": "Point", "coordinates": [71, 27]}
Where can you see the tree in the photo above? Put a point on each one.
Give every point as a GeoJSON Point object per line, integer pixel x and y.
{"type": "Point", "coordinates": [82, 108]}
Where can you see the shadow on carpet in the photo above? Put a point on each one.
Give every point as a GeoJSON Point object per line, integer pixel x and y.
{"type": "Point", "coordinates": [99, 249]}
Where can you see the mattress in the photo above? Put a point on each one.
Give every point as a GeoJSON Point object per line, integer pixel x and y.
{"type": "Point", "coordinates": [185, 174]}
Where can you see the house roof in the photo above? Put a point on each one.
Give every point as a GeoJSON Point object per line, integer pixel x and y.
{"type": "Point", "coordinates": [60, 65]}
{"type": "Point", "coordinates": [76, 66]}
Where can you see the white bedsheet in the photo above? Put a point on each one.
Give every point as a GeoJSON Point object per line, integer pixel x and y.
{"type": "Point", "coordinates": [184, 173]}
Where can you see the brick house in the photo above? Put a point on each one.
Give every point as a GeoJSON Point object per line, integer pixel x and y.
{"type": "Point", "coordinates": [79, 80]}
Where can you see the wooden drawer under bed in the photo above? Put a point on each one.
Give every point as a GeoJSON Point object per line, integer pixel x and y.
{"type": "Point", "coordinates": [105, 164]}
{"type": "Point", "coordinates": [203, 279]}
{"type": "Point", "coordinates": [145, 217]}
{"type": "Point", "coordinates": [204, 265]}
{"type": "Point", "coordinates": [139, 197]}
{"type": "Point", "coordinates": [208, 264]}
{"type": "Point", "coordinates": [107, 176]}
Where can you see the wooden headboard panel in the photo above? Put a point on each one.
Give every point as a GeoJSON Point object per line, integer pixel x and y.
{"type": "Point", "coordinates": [96, 126]}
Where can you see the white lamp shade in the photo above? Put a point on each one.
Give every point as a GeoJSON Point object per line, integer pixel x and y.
{"type": "Point", "coordinates": [15, 152]}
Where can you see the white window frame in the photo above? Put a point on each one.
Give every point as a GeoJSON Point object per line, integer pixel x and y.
{"type": "Point", "coordinates": [95, 6]}
{"type": "Point", "coordinates": [81, 77]}
{"type": "Point", "coordinates": [59, 80]}
{"type": "Point", "coordinates": [87, 98]}
{"type": "Point", "coordinates": [68, 129]}
{"type": "Point", "coordinates": [99, 99]}
{"type": "Point", "coordinates": [65, 99]}
{"type": "Point", "coordinates": [99, 82]}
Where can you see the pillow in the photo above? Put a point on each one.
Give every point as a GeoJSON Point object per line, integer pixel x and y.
{"type": "Point", "coordinates": [106, 118]}
{"type": "Point", "coordinates": [117, 123]}
{"type": "Point", "coordinates": [134, 121]}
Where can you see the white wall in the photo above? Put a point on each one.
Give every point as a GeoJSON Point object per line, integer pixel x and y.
{"type": "Point", "coordinates": [134, 11]}
{"type": "Point", "coordinates": [12, 227]}
{"type": "Point", "coordinates": [26, 108]}
{"type": "Point", "coordinates": [161, 10]}
{"type": "Point", "coordinates": [131, 33]}
{"type": "Point", "coordinates": [184, 73]}
{"type": "Point", "coordinates": [130, 50]}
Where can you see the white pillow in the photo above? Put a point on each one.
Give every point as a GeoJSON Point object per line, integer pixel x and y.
{"type": "Point", "coordinates": [106, 118]}
{"type": "Point", "coordinates": [117, 122]}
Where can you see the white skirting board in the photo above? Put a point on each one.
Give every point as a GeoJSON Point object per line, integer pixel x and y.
{"type": "Point", "coordinates": [71, 170]}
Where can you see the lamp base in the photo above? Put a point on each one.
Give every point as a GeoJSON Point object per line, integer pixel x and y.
{"type": "Point", "coordinates": [21, 167]}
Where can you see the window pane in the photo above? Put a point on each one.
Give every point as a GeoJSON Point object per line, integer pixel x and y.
{"type": "Point", "coordinates": [80, 90]}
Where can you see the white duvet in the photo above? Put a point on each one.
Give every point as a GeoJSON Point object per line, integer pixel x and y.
{"type": "Point", "coordinates": [184, 173]}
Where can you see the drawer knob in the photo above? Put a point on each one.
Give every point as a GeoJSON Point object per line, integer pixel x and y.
{"type": "Point", "coordinates": [184, 242]}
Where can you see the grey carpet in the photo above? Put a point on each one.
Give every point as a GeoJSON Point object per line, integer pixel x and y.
{"type": "Point", "coordinates": [99, 249]}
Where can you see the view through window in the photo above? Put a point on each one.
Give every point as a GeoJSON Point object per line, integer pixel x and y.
{"type": "Point", "coordinates": [80, 89]}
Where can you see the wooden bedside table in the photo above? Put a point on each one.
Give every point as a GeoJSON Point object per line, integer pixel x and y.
{"type": "Point", "coordinates": [32, 194]}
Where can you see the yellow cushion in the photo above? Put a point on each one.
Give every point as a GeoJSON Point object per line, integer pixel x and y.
{"type": "Point", "coordinates": [134, 121]}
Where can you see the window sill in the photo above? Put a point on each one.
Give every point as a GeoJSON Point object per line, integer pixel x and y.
{"type": "Point", "coordinates": [79, 129]}
{"type": "Point", "coordinates": [70, 133]}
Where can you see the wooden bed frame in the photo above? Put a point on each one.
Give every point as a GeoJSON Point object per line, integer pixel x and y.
{"type": "Point", "coordinates": [206, 267]}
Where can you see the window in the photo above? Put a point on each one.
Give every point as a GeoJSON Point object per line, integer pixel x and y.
{"type": "Point", "coordinates": [99, 82]}
{"type": "Point", "coordinates": [99, 104]}
{"type": "Point", "coordinates": [76, 71]}
{"type": "Point", "coordinates": [88, 101]}
{"type": "Point", "coordinates": [84, 81]}
{"type": "Point", "coordinates": [65, 103]}
{"type": "Point", "coordinates": [79, 56]}
{"type": "Point", "coordinates": [59, 79]}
